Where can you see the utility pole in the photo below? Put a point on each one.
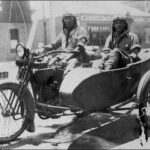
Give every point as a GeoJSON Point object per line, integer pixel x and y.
{"type": "Point", "coordinates": [52, 20]}
{"type": "Point", "coordinates": [44, 25]}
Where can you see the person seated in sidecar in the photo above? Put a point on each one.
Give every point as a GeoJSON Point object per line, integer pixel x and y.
{"type": "Point", "coordinates": [72, 37]}
{"type": "Point", "coordinates": [122, 45]}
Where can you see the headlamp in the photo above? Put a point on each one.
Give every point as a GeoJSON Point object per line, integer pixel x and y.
{"type": "Point", "coordinates": [20, 50]}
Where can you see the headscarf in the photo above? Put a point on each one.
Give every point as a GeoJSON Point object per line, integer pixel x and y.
{"type": "Point", "coordinates": [121, 19]}
{"type": "Point", "coordinates": [65, 30]}
{"type": "Point", "coordinates": [118, 38]}
{"type": "Point", "coordinates": [67, 15]}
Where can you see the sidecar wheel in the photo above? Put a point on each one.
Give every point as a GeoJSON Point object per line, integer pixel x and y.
{"type": "Point", "coordinates": [12, 121]}
{"type": "Point", "coordinates": [143, 96]}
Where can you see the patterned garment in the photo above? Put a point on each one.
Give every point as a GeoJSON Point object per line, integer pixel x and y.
{"type": "Point", "coordinates": [69, 41]}
{"type": "Point", "coordinates": [76, 36]}
{"type": "Point", "coordinates": [125, 41]}
{"type": "Point", "coordinates": [121, 47]}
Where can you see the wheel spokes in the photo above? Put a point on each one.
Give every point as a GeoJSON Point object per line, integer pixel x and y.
{"type": "Point", "coordinates": [11, 116]}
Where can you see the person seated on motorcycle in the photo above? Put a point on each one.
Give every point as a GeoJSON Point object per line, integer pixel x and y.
{"type": "Point", "coordinates": [123, 44]}
{"type": "Point", "coordinates": [72, 38]}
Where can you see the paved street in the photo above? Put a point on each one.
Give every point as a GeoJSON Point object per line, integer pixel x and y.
{"type": "Point", "coordinates": [96, 131]}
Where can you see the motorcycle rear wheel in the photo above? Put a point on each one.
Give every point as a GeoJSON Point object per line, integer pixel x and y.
{"type": "Point", "coordinates": [13, 121]}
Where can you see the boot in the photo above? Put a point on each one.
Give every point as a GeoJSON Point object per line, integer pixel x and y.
{"type": "Point", "coordinates": [112, 62]}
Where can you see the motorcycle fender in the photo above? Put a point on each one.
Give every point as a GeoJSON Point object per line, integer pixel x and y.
{"type": "Point", "coordinates": [30, 104]}
{"type": "Point", "coordinates": [28, 99]}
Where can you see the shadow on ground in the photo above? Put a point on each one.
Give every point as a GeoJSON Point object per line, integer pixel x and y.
{"type": "Point", "coordinates": [96, 131]}
{"type": "Point", "coordinates": [116, 132]}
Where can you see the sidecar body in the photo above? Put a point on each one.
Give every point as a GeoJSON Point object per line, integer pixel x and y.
{"type": "Point", "coordinates": [93, 89]}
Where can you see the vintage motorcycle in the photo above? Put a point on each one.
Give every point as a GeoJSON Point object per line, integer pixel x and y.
{"type": "Point", "coordinates": [37, 91]}
{"type": "Point", "coordinates": [44, 89]}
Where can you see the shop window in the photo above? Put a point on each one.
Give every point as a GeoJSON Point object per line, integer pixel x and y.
{"type": "Point", "coordinates": [14, 38]}
{"type": "Point", "coordinates": [94, 39]}
{"type": "Point", "coordinates": [98, 38]}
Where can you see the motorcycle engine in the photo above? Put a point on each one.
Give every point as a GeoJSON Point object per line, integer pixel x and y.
{"type": "Point", "coordinates": [49, 92]}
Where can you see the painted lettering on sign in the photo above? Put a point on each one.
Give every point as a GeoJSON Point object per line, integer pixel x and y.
{"type": "Point", "coordinates": [110, 18]}
{"type": "Point", "coordinates": [100, 28]}
{"type": "Point", "coordinates": [96, 17]}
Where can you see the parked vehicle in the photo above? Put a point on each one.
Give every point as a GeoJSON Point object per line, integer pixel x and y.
{"type": "Point", "coordinates": [43, 89]}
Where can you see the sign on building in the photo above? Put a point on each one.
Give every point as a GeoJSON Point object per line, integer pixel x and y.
{"type": "Point", "coordinates": [90, 17]}
{"type": "Point", "coordinates": [98, 28]}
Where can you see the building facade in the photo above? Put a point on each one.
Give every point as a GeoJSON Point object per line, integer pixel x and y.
{"type": "Point", "coordinates": [15, 25]}
{"type": "Point", "coordinates": [42, 34]}
{"type": "Point", "coordinates": [99, 26]}
{"type": "Point", "coordinates": [142, 5]}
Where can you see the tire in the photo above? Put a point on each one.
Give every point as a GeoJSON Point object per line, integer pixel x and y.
{"type": "Point", "coordinates": [12, 124]}
{"type": "Point", "coordinates": [143, 95]}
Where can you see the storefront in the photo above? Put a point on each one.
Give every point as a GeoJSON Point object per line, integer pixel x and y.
{"type": "Point", "coordinates": [99, 27]}
{"type": "Point", "coordinates": [98, 33]}
{"type": "Point", "coordinates": [142, 29]}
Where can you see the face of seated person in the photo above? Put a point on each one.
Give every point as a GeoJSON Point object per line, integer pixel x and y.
{"type": "Point", "coordinates": [119, 26]}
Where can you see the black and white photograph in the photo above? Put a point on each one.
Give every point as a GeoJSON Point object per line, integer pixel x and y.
{"type": "Point", "coordinates": [74, 75]}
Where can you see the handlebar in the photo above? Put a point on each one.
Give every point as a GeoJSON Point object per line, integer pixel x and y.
{"type": "Point", "coordinates": [55, 51]}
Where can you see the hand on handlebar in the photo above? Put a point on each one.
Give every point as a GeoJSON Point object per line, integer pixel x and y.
{"type": "Point", "coordinates": [77, 51]}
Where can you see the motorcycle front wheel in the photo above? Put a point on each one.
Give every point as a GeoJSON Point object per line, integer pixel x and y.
{"type": "Point", "coordinates": [13, 113]}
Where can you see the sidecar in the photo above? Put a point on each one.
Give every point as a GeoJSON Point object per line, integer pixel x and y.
{"type": "Point", "coordinates": [93, 89]}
